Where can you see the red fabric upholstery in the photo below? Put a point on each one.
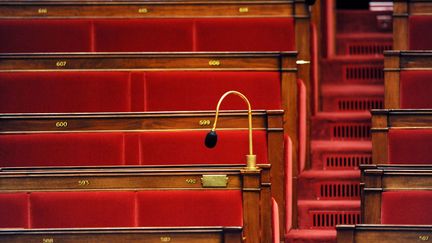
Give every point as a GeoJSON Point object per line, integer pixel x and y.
{"type": "Point", "coordinates": [314, 68]}
{"type": "Point", "coordinates": [143, 35]}
{"type": "Point", "coordinates": [13, 210]}
{"type": "Point", "coordinates": [188, 148]}
{"type": "Point", "coordinates": [415, 89]}
{"type": "Point", "coordinates": [190, 208]}
{"type": "Point", "coordinates": [406, 207]}
{"type": "Point", "coordinates": [302, 123]}
{"type": "Point", "coordinates": [420, 37]}
{"type": "Point", "coordinates": [410, 146]}
{"type": "Point", "coordinates": [68, 92]}
{"type": "Point", "coordinates": [62, 149]}
{"type": "Point", "coordinates": [288, 182]}
{"type": "Point", "coordinates": [245, 34]}
{"type": "Point", "coordinates": [202, 90]}
{"type": "Point", "coordinates": [37, 35]}
{"type": "Point", "coordinates": [82, 209]}
{"type": "Point", "coordinates": [275, 221]}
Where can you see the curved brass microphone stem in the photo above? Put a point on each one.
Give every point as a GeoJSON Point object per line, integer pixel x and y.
{"type": "Point", "coordinates": [250, 158]}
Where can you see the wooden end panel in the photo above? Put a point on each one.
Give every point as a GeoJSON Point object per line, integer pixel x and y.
{"type": "Point", "coordinates": [372, 206]}
{"type": "Point", "coordinates": [392, 81]}
{"type": "Point", "coordinates": [400, 25]}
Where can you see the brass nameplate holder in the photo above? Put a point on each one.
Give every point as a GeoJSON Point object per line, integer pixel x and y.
{"type": "Point", "coordinates": [48, 240]}
{"type": "Point", "coordinates": [214, 180]}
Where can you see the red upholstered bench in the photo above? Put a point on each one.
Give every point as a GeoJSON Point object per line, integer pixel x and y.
{"type": "Point", "coordinates": [415, 89]}
{"type": "Point", "coordinates": [45, 35]}
{"type": "Point", "coordinates": [202, 90]}
{"type": "Point", "coordinates": [116, 91]}
{"type": "Point", "coordinates": [419, 33]}
{"type": "Point", "coordinates": [245, 34]}
{"type": "Point", "coordinates": [84, 91]}
{"type": "Point", "coordinates": [121, 209]}
{"type": "Point", "coordinates": [82, 209]}
{"type": "Point", "coordinates": [96, 149]}
{"type": "Point", "coordinates": [154, 35]}
{"type": "Point", "coordinates": [14, 210]}
{"type": "Point", "coordinates": [150, 35]}
{"type": "Point", "coordinates": [190, 208]}
{"type": "Point", "coordinates": [409, 146]}
{"type": "Point", "coordinates": [406, 207]}
{"type": "Point", "coordinates": [67, 149]}
{"type": "Point", "coordinates": [187, 148]}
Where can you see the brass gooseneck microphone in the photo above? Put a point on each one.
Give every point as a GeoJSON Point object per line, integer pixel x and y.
{"type": "Point", "coordinates": [211, 138]}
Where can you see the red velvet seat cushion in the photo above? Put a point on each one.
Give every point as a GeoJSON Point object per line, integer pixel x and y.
{"type": "Point", "coordinates": [37, 35]}
{"type": "Point", "coordinates": [13, 210]}
{"type": "Point", "coordinates": [190, 208]}
{"type": "Point", "coordinates": [161, 148]}
{"type": "Point", "coordinates": [67, 92]}
{"type": "Point", "coordinates": [409, 146]}
{"type": "Point", "coordinates": [415, 89]}
{"type": "Point", "coordinates": [82, 209]}
{"type": "Point", "coordinates": [406, 207]}
{"type": "Point", "coordinates": [143, 35]}
{"type": "Point", "coordinates": [202, 90]}
{"type": "Point", "coordinates": [62, 149]}
{"type": "Point", "coordinates": [245, 34]}
{"type": "Point", "coordinates": [420, 37]}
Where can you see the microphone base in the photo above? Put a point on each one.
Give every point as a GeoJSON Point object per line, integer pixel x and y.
{"type": "Point", "coordinates": [251, 162]}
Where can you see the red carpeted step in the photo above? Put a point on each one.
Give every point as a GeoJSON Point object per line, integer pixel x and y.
{"type": "Point", "coordinates": [329, 185]}
{"type": "Point", "coordinates": [352, 97]}
{"type": "Point", "coordinates": [347, 155]}
{"type": "Point", "coordinates": [311, 236]}
{"type": "Point", "coordinates": [359, 44]}
{"type": "Point", "coordinates": [341, 126]}
{"type": "Point", "coordinates": [353, 70]}
{"type": "Point", "coordinates": [314, 214]}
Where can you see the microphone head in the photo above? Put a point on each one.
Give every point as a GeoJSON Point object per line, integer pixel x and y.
{"type": "Point", "coordinates": [211, 139]}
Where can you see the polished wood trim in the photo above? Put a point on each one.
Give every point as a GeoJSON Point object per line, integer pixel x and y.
{"type": "Point", "coordinates": [400, 25]}
{"type": "Point", "coordinates": [363, 233]}
{"type": "Point", "coordinates": [251, 206]}
{"type": "Point", "coordinates": [196, 61]}
{"type": "Point", "coordinates": [114, 178]}
{"type": "Point", "coordinates": [379, 138]}
{"type": "Point", "coordinates": [391, 81]}
{"type": "Point", "coordinates": [132, 122]}
{"type": "Point", "coordinates": [146, 9]}
{"type": "Point", "coordinates": [93, 235]}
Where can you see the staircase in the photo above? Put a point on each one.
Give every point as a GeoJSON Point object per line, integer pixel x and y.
{"type": "Point", "coordinates": [351, 85]}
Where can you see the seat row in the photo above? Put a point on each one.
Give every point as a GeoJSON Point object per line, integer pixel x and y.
{"type": "Point", "coordinates": [149, 82]}
{"type": "Point", "coordinates": [71, 26]}
{"type": "Point", "coordinates": [47, 155]}
{"type": "Point", "coordinates": [146, 203]}
{"type": "Point", "coordinates": [396, 188]}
